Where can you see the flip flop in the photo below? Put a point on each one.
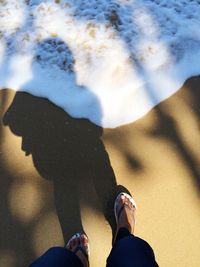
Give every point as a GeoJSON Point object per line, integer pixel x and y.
{"type": "Point", "coordinates": [84, 250]}
{"type": "Point", "coordinates": [117, 209]}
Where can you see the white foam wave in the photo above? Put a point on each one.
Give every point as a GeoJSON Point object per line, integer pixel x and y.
{"type": "Point", "coordinates": [108, 61]}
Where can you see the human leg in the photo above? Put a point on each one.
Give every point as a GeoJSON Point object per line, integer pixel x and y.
{"type": "Point", "coordinates": [75, 254]}
{"type": "Point", "coordinates": [128, 250]}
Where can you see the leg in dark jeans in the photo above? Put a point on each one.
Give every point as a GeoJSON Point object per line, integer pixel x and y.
{"type": "Point", "coordinates": [75, 254]}
{"type": "Point", "coordinates": [130, 251]}
{"type": "Point", "coordinates": [57, 257]}
{"type": "Point", "coordinates": [127, 251]}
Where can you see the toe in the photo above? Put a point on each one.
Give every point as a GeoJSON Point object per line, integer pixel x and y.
{"type": "Point", "coordinates": [84, 239]}
{"type": "Point", "coordinates": [121, 200]}
{"type": "Point", "coordinates": [127, 201]}
{"type": "Point", "coordinates": [130, 202]}
{"type": "Point", "coordinates": [85, 246]}
{"type": "Point", "coordinates": [84, 243]}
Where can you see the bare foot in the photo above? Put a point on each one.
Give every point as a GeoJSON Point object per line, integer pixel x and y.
{"type": "Point", "coordinates": [80, 246]}
{"type": "Point", "coordinates": [125, 210]}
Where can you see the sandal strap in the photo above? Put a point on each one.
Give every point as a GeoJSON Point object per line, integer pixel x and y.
{"type": "Point", "coordinates": [86, 251]}
{"type": "Point", "coordinates": [121, 209]}
{"type": "Point", "coordinates": [79, 248]}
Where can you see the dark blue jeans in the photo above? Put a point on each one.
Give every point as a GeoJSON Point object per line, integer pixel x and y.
{"type": "Point", "coordinates": [128, 251]}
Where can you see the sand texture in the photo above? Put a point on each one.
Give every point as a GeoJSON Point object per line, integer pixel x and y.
{"type": "Point", "coordinates": [59, 175]}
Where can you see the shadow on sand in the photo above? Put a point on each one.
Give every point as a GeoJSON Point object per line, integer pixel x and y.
{"type": "Point", "coordinates": [67, 151]}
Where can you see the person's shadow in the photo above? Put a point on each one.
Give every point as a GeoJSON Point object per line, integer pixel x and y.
{"type": "Point", "coordinates": [67, 151]}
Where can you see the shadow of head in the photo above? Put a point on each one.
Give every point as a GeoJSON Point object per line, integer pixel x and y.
{"type": "Point", "coordinates": [68, 151]}
{"type": "Point", "coordinates": [56, 141]}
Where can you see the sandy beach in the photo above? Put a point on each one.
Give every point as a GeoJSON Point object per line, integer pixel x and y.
{"type": "Point", "coordinates": [59, 175]}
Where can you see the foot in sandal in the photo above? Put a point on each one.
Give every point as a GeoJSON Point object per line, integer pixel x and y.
{"type": "Point", "coordinates": [79, 244]}
{"type": "Point", "coordinates": [125, 210]}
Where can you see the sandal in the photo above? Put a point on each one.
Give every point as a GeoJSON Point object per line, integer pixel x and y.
{"type": "Point", "coordinates": [84, 249]}
{"type": "Point", "coordinates": [118, 208]}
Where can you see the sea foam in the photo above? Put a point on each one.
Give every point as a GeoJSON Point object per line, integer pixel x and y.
{"type": "Point", "coordinates": [108, 61]}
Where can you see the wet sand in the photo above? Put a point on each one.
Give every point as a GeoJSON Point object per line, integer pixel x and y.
{"type": "Point", "coordinates": [66, 181]}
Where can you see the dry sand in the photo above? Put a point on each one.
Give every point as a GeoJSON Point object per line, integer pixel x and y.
{"type": "Point", "coordinates": [67, 181]}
